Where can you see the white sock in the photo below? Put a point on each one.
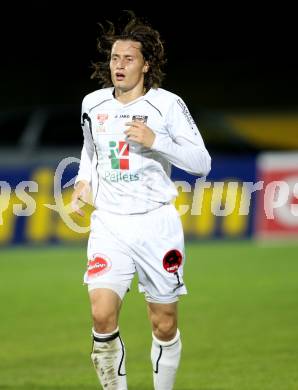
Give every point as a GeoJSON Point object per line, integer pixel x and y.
{"type": "Point", "coordinates": [108, 357]}
{"type": "Point", "coordinates": [165, 357]}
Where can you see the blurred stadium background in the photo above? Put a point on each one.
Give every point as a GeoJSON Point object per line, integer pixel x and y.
{"type": "Point", "coordinates": [238, 76]}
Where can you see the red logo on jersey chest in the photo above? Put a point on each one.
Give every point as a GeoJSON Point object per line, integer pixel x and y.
{"type": "Point", "coordinates": [102, 118]}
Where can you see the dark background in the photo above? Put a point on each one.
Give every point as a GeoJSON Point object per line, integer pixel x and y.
{"type": "Point", "coordinates": [218, 57]}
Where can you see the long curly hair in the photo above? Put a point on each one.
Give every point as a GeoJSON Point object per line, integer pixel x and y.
{"type": "Point", "coordinates": [136, 30]}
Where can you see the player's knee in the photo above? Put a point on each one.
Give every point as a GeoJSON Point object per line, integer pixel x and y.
{"type": "Point", "coordinates": [165, 329]}
{"type": "Point", "coordinates": [104, 322]}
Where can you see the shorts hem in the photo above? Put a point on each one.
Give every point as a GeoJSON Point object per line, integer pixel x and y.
{"type": "Point", "coordinates": [118, 289]}
{"type": "Point", "coordinates": [163, 300]}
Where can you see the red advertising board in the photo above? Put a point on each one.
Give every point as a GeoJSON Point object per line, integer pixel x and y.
{"type": "Point", "coordinates": [277, 202]}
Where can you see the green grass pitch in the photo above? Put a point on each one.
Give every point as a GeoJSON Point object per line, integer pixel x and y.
{"type": "Point", "coordinates": [239, 322]}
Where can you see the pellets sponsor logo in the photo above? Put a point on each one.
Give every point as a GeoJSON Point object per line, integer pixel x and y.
{"type": "Point", "coordinates": [118, 176]}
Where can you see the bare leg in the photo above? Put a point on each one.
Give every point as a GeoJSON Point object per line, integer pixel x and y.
{"type": "Point", "coordinates": [108, 352]}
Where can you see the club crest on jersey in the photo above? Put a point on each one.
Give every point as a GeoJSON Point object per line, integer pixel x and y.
{"type": "Point", "coordinates": [101, 119]}
{"type": "Point", "coordinates": [172, 260]}
{"type": "Point", "coordinates": [98, 265]}
{"type": "Point", "coordinates": [119, 154]}
{"type": "Point", "coordinates": [140, 118]}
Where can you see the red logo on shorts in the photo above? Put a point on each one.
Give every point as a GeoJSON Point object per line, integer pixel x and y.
{"type": "Point", "coordinates": [172, 260]}
{"type": "Point", "coordinates": [99, 265]}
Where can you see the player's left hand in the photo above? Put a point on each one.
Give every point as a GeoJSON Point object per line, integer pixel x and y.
{"type": "Point", "coordinates": [139, 132]}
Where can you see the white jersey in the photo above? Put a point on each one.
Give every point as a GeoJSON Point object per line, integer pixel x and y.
{"type": "Point", "coordinates": [127, 178]}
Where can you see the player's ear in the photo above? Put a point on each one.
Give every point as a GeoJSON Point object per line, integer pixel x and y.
{"type": "Point", "coordinates": [146, 67]}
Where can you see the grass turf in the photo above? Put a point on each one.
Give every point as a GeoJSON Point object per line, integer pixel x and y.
{"type": "Point", "coordinates": [239, 322]}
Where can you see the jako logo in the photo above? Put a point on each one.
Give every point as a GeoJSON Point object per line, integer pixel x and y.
{"type": "Point", "coordinates": [119, 155]}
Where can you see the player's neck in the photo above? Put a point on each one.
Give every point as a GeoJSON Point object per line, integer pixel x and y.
{"type": "Point", "coordinates": [128, 96]}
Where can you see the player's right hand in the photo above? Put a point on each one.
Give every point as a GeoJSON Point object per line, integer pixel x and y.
{"type": "Point", "coordinates": [80, 197]}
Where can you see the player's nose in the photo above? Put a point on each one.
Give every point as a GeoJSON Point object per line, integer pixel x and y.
{"type": "Point", "coordinates": [120, 64]}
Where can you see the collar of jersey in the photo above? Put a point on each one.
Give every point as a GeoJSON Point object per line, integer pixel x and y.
{"type": "Point", "coordinates": [131, 102]}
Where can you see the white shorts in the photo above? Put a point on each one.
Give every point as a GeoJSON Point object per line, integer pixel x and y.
{"type": "Point", "coordinates": [151, 244]}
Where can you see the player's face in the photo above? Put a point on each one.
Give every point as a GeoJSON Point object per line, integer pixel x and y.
{"type": "Point", "coordinates": [127, 66]}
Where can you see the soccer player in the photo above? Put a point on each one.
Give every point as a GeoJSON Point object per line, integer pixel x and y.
{"type": "Point", "coordinates": [133, 132]}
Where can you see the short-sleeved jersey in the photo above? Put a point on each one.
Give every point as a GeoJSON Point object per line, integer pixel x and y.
{"type": "Point", "coordinates": [126, 177]}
